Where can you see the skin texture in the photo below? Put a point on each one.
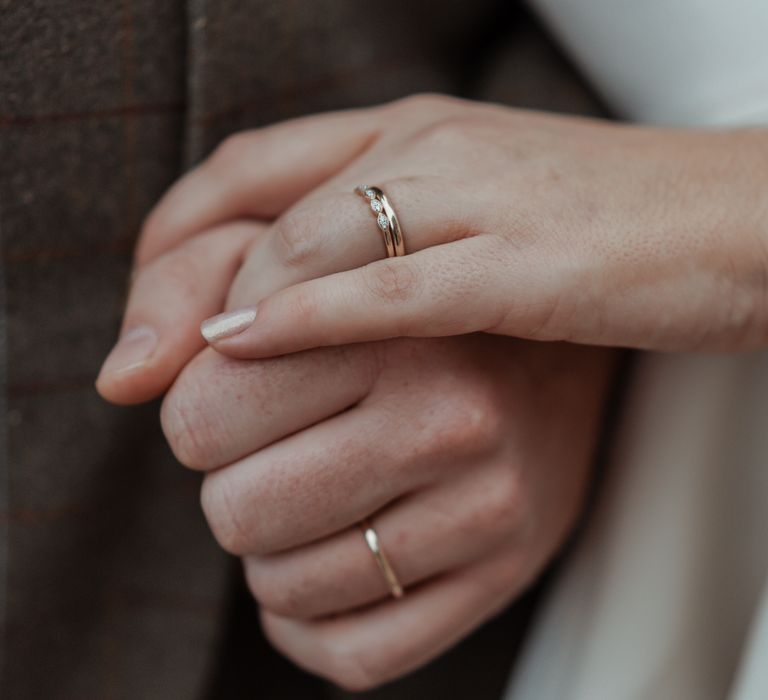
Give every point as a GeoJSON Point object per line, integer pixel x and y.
{"type": "Point", "coordinates": [532, 225]}
{"type": "Point", "coordinates": [470, 452]}
{"type": "Point", "coordinates": [543, 227]}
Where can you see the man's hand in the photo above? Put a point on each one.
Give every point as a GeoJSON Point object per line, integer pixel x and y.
{"type": "Point", "coordinates": [470, 455]}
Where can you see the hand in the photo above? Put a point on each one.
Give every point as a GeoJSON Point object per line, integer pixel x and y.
{"type": "Point", "coordinates": [458, 498]}
{"type": "Point", "coordinates": [170, 295]}
{"type": "Point", "coordinates": [470, 454]}
{"type": "Point", "coordinates": [518, 223]}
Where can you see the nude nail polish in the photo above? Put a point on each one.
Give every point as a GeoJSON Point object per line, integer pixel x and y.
{"type": "Point", "coordinates": [227, 324]}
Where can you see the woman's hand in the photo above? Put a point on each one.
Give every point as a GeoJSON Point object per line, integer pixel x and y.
{"type": "Point", "coordinates": [519, 223]}
{"type": "Point", "coordinates": [469, 454]}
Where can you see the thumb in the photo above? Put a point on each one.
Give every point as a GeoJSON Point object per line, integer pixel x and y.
{"type": "Point", "coordinates": [168, 299]}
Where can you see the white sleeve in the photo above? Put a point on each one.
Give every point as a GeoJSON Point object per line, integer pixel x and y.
{"type": "Point", "coordinates": [686, 62]}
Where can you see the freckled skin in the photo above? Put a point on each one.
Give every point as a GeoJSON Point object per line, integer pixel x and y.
{"type": "Point", "coordinates": [456, 446]}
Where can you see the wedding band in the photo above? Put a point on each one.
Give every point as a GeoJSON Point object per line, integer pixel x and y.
{"type": "Point", "coordinates": [386, 219]}
{"type": "Point", "coordinates": [374, 544]}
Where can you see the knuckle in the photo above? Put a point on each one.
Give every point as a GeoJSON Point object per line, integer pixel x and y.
{"type": "Point", "coordinates": [470, 422]}
{"type": "Point", "coordinates": [233, 149]}
{"type": "Point", "coordinates": [742, 322]}
{"type": "Point", "coordinates": [304, 307]}
{"type": "Point", "coordinates": [502, 507]}
{"type": "Point", "coordinates": [353, 667]}
{"type": "Point", "coordinates": [737, 320]}
{"type": "Point", "coordinates": [222, 514]}
{"type": "Point", "coordinates": [297, 237]}
{"type": "Point", "coordinates": [179, 268]}
{"type": "Point", "coordinates": [275, 590]}
{"type": "Point", "coordinates": [189, 426]}
{"type": "Point", "coordinates": [392, 280]}
{"type": "Point", "coordinates": [446, 134]}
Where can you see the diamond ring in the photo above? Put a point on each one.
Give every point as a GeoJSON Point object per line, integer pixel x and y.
{"type": "Point", "coordinates": [386, 219]}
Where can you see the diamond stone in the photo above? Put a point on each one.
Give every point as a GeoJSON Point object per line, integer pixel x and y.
{"type": "Point", "coordinates": [383, 222]}
{"type": "Point", "coordinates": [370, 194]}
{"type": "Point", "coordinates": [376, 206]}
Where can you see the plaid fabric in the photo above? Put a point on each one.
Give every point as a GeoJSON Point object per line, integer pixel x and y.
{"type": "Point", "coordinates": [110, 585]}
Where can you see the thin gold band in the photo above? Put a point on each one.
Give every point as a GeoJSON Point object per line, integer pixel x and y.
{"type": "Point", "coordinates": [386, 219]}
{"type": "Point", "coordinates": [374, 544]}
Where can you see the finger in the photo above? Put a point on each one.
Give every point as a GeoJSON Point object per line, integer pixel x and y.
{"type": "Point", "coordinates": [336, 229]}
{"type": "Point", "coordinates": [257, 174]}
{"type": "Point", "coordinates": [330, 476]}
{"type": "Point", "coordinates": [450, 289]}
{"type": "Point", "coordinates": [364, 649]}
{"type": "Point", "coordinates": [168, 299]}
{"type": "Point", "coordinates": [220, 410]}
{"type": "Point", "coordinates": [430, 532]}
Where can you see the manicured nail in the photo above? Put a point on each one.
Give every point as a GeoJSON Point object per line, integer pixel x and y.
{"type": "Point", "coordinates": [226, 325]}
{"type": "Point", "coordinates": [133, 349]}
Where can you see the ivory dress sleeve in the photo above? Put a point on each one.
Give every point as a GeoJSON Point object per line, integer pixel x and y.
{"type": "Point", "coordinates": [684, 62]}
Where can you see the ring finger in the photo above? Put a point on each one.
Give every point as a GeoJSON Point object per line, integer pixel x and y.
{"type": "Point", "coordinates": [368, 647]}
{"type": "Point", "coordinates": [334, 230]}
{"type": "Point", "coordinates": [428, 533]}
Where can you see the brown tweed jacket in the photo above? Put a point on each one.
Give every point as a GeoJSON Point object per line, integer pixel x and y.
{"type": "Point", "coordinates": [110, 586]}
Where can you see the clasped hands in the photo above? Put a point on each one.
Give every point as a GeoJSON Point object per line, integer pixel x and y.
{"type": "Point", "coordinates": [342, 386]}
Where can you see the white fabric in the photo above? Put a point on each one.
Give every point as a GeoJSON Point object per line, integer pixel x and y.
{"type": "Point", "coordinates": [666, 596]}
{"type": "Point", "coordinates": [687, 62]}
{"type": "Point", "coordinates": [662, 597]}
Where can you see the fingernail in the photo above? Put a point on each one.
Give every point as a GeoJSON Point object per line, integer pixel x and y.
{"type": "Point", "coordinates": [227, 324]}
{"type": "Point", "coordinates": [133, 349]}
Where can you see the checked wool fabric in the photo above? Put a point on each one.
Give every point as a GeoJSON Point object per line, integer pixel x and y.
{"type": "Point", "coordinates": [111, 587]}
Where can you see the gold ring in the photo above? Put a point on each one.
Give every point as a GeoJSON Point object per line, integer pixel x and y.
{"type": "Point", "coordinates": [386, 219]}
{"type": "Point", "coordinates": [372, 540]}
